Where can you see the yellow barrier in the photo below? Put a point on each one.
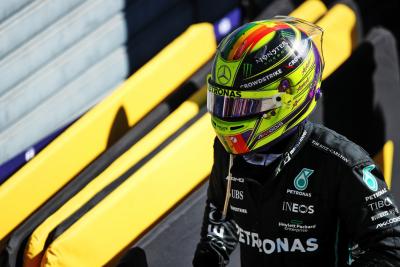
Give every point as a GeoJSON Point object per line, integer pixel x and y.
{"type": "Point", "coordinates": [141, 199]}
{"type": "Point", "coordinates": [310, 10]}
{"type": "Point", "coordinates": [34, 248]}
{"type": "Point", "coordinates": [384, 159]}
{"type": "Point", "coordinates": [59, 162]}
{"type": "Point", "coordinates": [339, 24]}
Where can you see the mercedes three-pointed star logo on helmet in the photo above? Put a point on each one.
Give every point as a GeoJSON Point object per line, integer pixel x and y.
{"type": "Point", "coordinates": [224, 74]}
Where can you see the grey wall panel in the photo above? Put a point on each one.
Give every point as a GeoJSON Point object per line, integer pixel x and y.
{"type": "Point", "coordinates": [7, 8]}
{"type": "Point", "coordinates": [69, 103]}
{"type": "Point", "coordinates": [31, 20]}
{"type": "Point", "coordinates": [30, 92]}
{"type": "Point", "coordinates": [45, 82]}
{"type": "Point", "coordinates": [48, 44]}
{"type": "Point", "coordinates": [45, 66]}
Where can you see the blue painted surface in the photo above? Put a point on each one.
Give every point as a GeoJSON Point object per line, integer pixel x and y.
{"type": "Point", "coordinates": [228, 23]}
{"type": "Point", "coordinates": [9, 167]}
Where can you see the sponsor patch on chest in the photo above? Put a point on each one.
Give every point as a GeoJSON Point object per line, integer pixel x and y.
{"type": "Point", "coordinates": [277, 245]}
{"type": "Point", "coordinates": [301, 184]}
{"type": "Point", "coordinates": [297, 207]}
{"type": "Point", "coordinates": [296, 226]}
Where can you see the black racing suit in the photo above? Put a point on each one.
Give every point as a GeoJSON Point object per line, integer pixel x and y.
{"type": "Point", "coordinates": [323, 203]}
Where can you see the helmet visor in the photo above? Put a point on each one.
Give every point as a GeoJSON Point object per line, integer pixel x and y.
{"type": "Point", "coordinates": [313, 31]}
{"type": "Point", "coordinates": [223, 102]}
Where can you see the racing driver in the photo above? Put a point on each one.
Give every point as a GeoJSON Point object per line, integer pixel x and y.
{"type": "Point", "coordinates": [289, 191]}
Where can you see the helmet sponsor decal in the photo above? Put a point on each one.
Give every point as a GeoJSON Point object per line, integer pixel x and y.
{"type": "Point", "coordinates": [224, 92]}
{"type": "Point", "coordinates": [247, 69]}
{"type": "Point", "coordinates": [272, 52]}
{"type": "Point", "coordinates": [267, 77]}
{"type": "Point", "coordinates": [224, 74]}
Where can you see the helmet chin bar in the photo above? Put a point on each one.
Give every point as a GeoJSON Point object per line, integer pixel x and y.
{"type": "Point", "coordinates": [268, 146]}
{"type": "Point", "coordinates": [265, 116]}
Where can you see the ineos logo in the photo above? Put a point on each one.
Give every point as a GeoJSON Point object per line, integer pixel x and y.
{"type": "Point", "coordinates": [297, 208]}
{"type": "Point", "coordinates": [224, 74]}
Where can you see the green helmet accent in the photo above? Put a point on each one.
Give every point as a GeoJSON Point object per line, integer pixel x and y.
{"type": "Point", "coordinates": [265, 80]}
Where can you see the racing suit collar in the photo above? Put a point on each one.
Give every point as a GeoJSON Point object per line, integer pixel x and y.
{"type": "Point", "coordinates": [299, 139]}
{"type": "Point", "coordinates": [261, 159]}
{"type": "Point", "coordinates": [272, 152]}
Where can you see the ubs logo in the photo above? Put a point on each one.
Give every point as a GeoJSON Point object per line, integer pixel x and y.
{"type": "Point", "coordinates": [237, 194]}
{"type": "Point", "coordinates": [224, 74]}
